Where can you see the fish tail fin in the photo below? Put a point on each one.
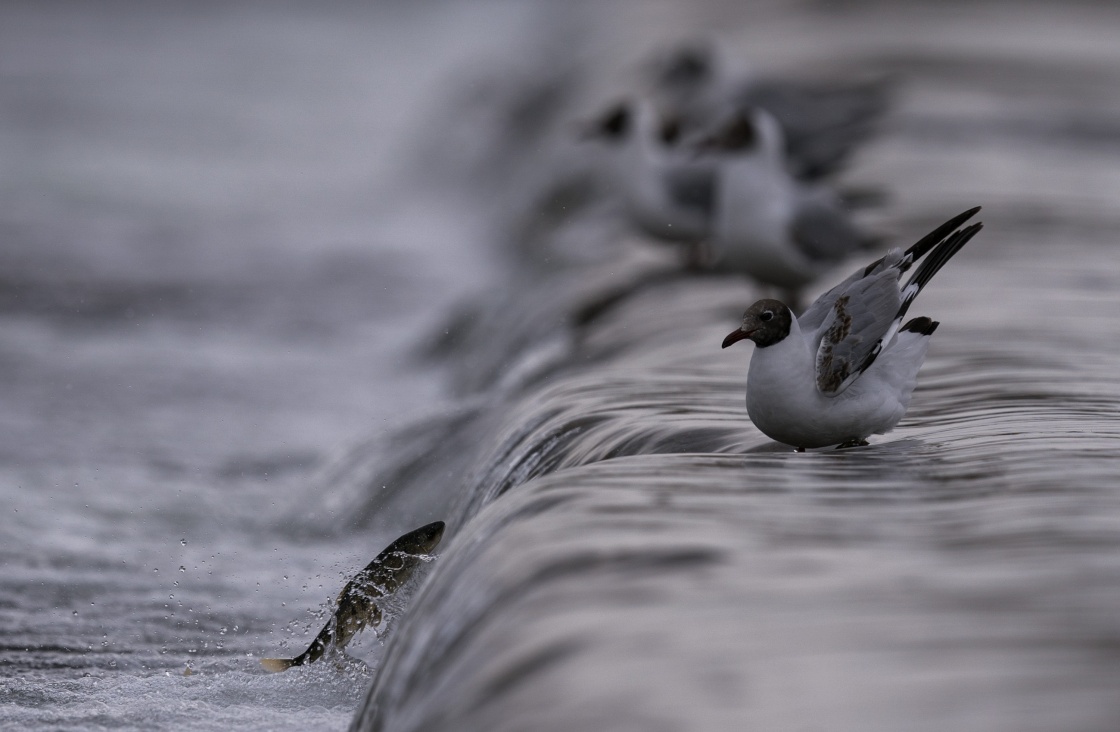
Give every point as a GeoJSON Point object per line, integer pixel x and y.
{"type": "Point", "coordinates": [276, 665]}
{"type": "Point", "coordinates": [313, 653]}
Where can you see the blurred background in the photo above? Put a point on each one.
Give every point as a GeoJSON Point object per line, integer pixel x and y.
{"type": "Point", "coordinates": [235, 236]}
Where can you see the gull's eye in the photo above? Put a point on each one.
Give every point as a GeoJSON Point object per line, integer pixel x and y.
{"type": "Point", "coordinates": [766, 316]}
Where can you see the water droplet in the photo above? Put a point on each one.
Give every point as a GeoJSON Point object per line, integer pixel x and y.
{"type": "Point", "coordinates": [182, 568]}
{"type": "Point", "coordinates": [156, 570]}
{"type": "Point", "coordinates": [183, 542]}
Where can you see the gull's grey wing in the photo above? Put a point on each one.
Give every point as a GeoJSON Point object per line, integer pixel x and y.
{"type": "Point", "coordinates": [816, 314]}
{"type": "Point", "coordinates": [692, 187]}
{"type": "Point", "coordinates": [859, 317]}
{"type": "Point", "coordinates": [854, 321]}
{"type": "Point", "coordinates": [822, 230]}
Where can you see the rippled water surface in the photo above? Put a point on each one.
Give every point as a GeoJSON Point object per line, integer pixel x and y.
{"type": "Point", "coordinates": [265, 306]}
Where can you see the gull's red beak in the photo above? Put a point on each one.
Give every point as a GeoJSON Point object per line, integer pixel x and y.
{"type": "Point", "coordinates": [735, 336]}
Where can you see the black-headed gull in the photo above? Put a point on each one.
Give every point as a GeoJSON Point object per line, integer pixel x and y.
{"type": "Point", "coordinates": [666, 192]}
{"type": "Point", "coordinates": [824, 122]}
{"type": "Point", "coordinates": [846, 368]}
{"type": "Point", "coordinates": [767, 224]}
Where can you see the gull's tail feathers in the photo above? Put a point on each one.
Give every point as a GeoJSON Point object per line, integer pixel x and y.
{"type": "Point", "coordinates": [920, 325]}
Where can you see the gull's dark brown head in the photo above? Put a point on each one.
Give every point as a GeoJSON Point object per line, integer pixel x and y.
{"type": "Point", "coordinates": [688, 67]}
{"type": "Point", "coordinates": [613, 125]}
{"type": "Point", "coordinates": [737, 134]}
{"type": "Point", "coordinates": [670, 130]}
{"type": "Point", "coordinates": [766, 322]}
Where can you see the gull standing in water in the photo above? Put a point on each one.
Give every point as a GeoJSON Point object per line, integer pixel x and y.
{"type": "Point", "coordinates": [767, 224]}
{"type": "Point", "coordinates": [846, 368]}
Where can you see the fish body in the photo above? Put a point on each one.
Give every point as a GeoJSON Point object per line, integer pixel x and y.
{"type": "Point", "coordinates": [357, 606]}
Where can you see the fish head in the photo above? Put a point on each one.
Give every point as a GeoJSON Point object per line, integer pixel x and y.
{"type": "Point", "coordinates": [422, 540]}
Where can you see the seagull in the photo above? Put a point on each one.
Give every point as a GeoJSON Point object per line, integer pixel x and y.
{"type": "Point", "coordinates": [824, 122]}
{"type": "Point", "coordinates": [666, 192]}
{"type": "Point", "coordinates": [846, 368]}
{"type": "Point", "coordinates": [767, 224]}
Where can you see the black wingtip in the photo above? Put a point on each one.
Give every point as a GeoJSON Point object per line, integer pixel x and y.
{"type": "Point", "coordinates": [942, 254]}
{"type": "Point", "coordinates": [933, 264]}
{"type": "Point", "coordinates": [920, 325]}
{"type": "Point", "coordinates": [933, 238]}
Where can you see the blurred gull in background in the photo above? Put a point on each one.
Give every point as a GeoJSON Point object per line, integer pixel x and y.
{"type": "Point", "coordinates": [824, 122]}
{"type": "Point", "coordinates": [767, 224]}
{"type": "Point", "coordinates": [666, 192]}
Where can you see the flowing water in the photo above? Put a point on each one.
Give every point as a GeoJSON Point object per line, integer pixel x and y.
{"type": "Point", "coordinates": [239, 358]}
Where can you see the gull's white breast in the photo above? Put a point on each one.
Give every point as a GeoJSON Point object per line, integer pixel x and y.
{"type": "Point", "coordinates": [784, 403]}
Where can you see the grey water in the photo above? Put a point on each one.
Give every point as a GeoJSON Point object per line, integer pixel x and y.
{"type": "Point", "coordinates": [279, 285]}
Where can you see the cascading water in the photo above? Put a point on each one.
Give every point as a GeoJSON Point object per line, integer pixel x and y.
{"type": "Point", "coordinates": [624, 550]}
{"type": "Point", "coordinates": [630, 553]}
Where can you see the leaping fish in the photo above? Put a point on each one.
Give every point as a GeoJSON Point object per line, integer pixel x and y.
{"type": "Point", "coordinates": [357, 608]}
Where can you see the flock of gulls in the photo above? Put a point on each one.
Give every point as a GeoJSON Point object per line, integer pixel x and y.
{"type": "Point", "coordinates": [734, 170]}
